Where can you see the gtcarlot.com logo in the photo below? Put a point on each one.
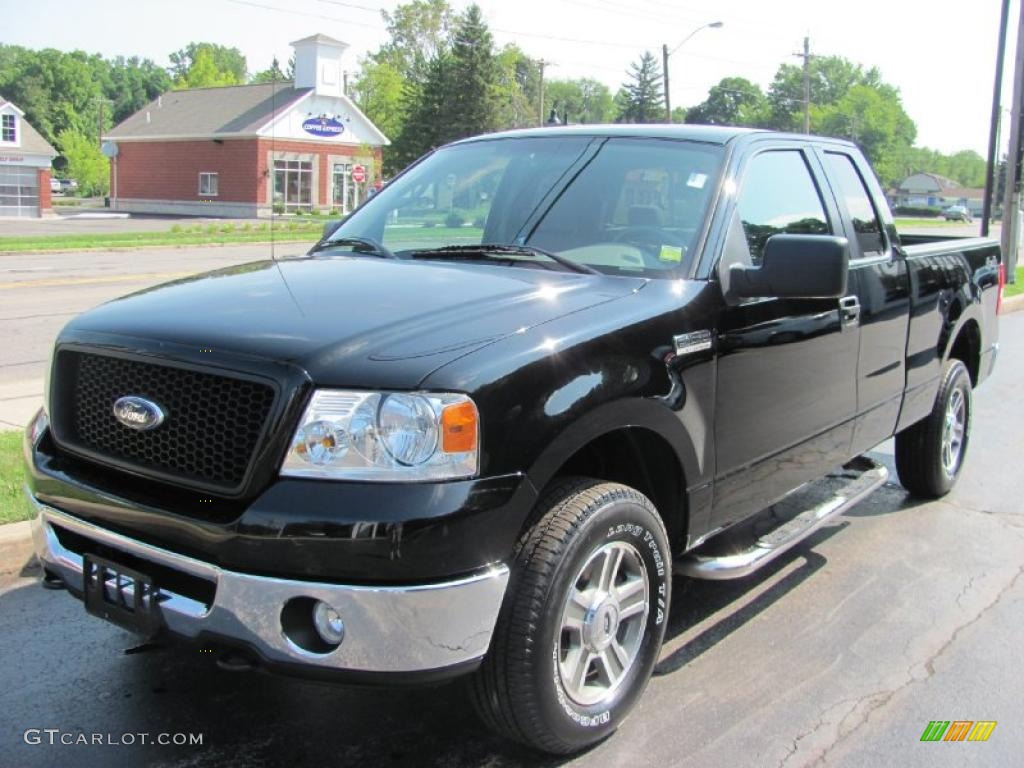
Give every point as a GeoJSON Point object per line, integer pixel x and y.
{"type": "Point", "coordinates": [55, 736]}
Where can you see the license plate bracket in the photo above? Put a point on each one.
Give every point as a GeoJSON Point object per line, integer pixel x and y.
{"type": "Point", "coordinates": [121, 595]}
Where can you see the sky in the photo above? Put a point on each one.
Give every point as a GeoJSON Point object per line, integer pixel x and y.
{"type": "Point", "coordinates": [940, 54]}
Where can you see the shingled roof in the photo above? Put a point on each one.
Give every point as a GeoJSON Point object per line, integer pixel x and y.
{"type": "Point", "coordinates": [32, 142]}
{"type": "Point", "coordinates": [202, 112]}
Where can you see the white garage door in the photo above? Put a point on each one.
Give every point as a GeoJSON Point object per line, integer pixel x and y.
{"type": "Point", "coordinates": [19, 191]}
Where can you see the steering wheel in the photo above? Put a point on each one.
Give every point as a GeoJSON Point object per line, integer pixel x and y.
{"type": "Point", "coordinates": [638, 235]}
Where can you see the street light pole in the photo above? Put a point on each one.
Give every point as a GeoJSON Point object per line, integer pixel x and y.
{"type": "Point", "coordinates": [665, 53]}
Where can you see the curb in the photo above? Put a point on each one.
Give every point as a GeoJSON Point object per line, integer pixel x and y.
{"type": "Point", "coordinates": [1012, 304]}
{"type": "Point", "coordinates": [16, 551]}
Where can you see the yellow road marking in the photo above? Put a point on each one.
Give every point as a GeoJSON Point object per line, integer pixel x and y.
{"type": "Point", "coordinates": [93, 280]}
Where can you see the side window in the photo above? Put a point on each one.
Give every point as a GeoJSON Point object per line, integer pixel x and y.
{"type": "Point", "coordinates": [778, 196]}
{"type": "Point", "coordinates": [851, 188]}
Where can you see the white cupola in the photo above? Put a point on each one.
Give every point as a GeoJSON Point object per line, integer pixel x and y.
{"type": "Point", "coordinates": [318, 65]}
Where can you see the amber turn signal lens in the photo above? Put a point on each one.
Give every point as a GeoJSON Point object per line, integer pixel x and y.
{"type": "Point", "coordinates": [459, 428]}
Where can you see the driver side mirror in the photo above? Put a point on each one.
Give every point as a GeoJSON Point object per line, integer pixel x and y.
{"type": "Point", "coordinates": [795, 267]}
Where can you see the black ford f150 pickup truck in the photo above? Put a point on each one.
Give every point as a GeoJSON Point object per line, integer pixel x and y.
{"type": "Point", "coordinates": [481, 424]}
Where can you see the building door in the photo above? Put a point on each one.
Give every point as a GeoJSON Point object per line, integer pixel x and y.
{"type": "Point", "coordinates": [19, 191]}
{"type": "Point", "coordinates": [293, 184]}
{"type": "Point", "coordinates": [346, 191]}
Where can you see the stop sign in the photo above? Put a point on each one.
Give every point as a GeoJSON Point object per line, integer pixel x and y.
{"type": "Point", "coordinates": [358, 173]}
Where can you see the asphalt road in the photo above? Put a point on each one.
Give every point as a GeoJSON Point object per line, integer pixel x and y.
{"type": "Point", "coordinates": [839, 654]}
{"type": "Point", "coordinates": [39, 293]}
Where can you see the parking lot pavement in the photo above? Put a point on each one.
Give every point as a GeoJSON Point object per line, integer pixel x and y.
{"type": "Point", "coordinates": [39, 293]}
{"type": "Point", "coordinates": [82, 221]}
{"type": "Point", "coordinates": [839, 653]}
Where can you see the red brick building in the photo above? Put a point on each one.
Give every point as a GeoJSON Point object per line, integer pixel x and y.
{"type": "Point", "coordinates": [25, 160]}
{"type": "Point", "coordinates": [244, 151]}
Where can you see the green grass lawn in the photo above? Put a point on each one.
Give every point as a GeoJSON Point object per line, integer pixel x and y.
{"type": "Point", "coordinates": [211, 234]}
{"type": "Point", "coordinates": [1017, 288]}
{"type": "Point", "coordinates": [925, 222]}
{"type": "Point", "coordinates": [12, 504]}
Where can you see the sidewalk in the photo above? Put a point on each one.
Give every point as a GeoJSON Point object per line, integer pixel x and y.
{"type": "Point", "coordinates": [19, 401]}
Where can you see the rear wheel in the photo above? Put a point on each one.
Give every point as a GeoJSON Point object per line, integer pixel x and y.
{"type": "Point", "coordinates": [583, 620]}
{"type": "Point", "coordinates": [930, 454]}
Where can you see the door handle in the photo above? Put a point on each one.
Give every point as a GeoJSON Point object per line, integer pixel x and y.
{"type": "Point", "coordinates": [849, 311]}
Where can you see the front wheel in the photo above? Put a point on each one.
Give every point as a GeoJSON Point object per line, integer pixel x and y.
{"type": "Point", "coordinates": [582, 624]}
{"type": "Point", "coordinates": [930, 454]}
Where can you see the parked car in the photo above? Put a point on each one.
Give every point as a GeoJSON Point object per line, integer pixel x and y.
{"type": "Point", "coordinates": [958, 213]}
{"type": "Point", "coordinates": [55, 186]}
{"type": "Point", "coordinates": [413, 454]}
{"type": "Point", "coordinates": [68, 185]}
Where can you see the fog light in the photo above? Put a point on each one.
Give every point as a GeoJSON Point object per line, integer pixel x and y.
{"type": "Point", "coordinates": [328, 623]}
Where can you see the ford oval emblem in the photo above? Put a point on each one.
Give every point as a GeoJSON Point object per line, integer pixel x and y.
{"type": "Point", "coordinates": [138, 413]}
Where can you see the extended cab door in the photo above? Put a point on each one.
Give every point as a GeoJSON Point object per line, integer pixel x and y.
{"type": "Point", "coordinates": [878, 279]}
{"type": "Point", "coordinates": [786, 381]}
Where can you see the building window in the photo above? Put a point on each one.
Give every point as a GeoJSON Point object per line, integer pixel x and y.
{"type": "Point", "coordinates": [293, 184]}
{"type": "Point", "coordinates": [208, 184]}
{"type": "Point", "coordinates": [7, 130]}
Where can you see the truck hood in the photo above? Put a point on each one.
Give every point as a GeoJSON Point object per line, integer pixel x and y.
{"type": "Point", "coordinates": [350, 321]}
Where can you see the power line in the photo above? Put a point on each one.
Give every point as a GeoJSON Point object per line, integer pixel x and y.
{"type": "Point", "coordinates": [308, 14]}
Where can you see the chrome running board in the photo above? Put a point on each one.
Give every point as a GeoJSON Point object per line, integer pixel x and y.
{"type": "Point", "coordinates": [856, 482]}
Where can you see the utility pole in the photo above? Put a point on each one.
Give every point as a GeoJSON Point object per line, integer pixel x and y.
{"type": "Point", "coordinates": [993, 131]}
{"type": "Point", "coordinates": [664, 74]}
{"type": "Point", "coordinates": [665, 53]}
{"type": "Point", "coordinates": [1011, 203]}
{"type": "Point", "coordinates": [540, 113]}
{"type": "Point", "coordinates": [806, 56]}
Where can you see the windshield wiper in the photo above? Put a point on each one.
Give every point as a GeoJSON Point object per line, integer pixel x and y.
{"type": "Point", "coordinates": [500, 249]}
{"type": "Point", "coordinates": [366, 245]}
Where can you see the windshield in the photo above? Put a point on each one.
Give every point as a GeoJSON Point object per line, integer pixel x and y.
{"type": "Point", "coordinates": [635, 207]}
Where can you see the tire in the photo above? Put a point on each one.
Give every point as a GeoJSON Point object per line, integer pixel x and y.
{"type": "Point", "coordinates": [524, 689]}
{"type": "Point", "coordinates": [929, 456]}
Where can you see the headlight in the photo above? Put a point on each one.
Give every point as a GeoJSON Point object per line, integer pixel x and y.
{"type": "Point", "coordinates": [385, 436]}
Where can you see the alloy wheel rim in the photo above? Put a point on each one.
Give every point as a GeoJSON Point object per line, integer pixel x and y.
{"type": "Point", "coordinates": [603, 623]}
{"type": "Point", "coordinates": [953, 432]}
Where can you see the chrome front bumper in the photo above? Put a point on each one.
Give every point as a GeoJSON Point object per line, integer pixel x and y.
{"type": "Point", "coordinates": [387, 629]}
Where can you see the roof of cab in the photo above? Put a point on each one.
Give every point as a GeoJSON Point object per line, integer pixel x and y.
{"type": "Point", "coordinates": [710, 134]}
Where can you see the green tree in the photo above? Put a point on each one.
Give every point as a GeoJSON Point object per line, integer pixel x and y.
{"type": "Point", "coordinates": [584, 100]}
{"type": "Point", "coordinates": [204, 65]}
{"type": "Point", "coordinates": [518, 88]}
{"type": "Point", "coordinates": [831, 78]}
{"type": "Point", "coordinates": [418, 31]}
{"type": "Point", "coordinates": [472, 85]}
{"type": "Point", "coordinates": [425, 107]}
{"type": "Point", "coordinates": [377, 91]}
{"type": "Point", "coordinates": [272, 74]}
{"type": "Point", "coordinates": [85, 163]}
{"type": "Point", "coordinates": [875, 119]}
{"type": "Point", "coordinates": [734, 101]}
{"type": "Point", "coordinates": [640, 98]}
{"type": "Point", "coordinates": [133, 83]}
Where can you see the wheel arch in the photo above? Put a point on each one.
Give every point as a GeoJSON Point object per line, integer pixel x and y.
{"type": "Point", "coordinates": [635, 442]}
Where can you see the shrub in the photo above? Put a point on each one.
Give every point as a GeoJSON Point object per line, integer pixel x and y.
{"type": "Point", "coordinates": [299, 212]}
{"type": "Point", "coordinates": [278, 208]}
{"type": "Point", "coordinates": [335, 212]}
{"type": "Point", "coordinates": [429, 224]}
{"type": "Point", "coordinates": [177, 228]}
{"type": "Point", "coordinates": [211, 229]}
{"type": "Point", "coordinates": [227, 229]}
{"type": "Point", "coordinates": [247, 227]}
{"type": "Point", "coordinates": [453, 220]}
{"type": "Point", "coordinates": [315, 212]}
{"type": "Point", "coordinates": [917, 210]}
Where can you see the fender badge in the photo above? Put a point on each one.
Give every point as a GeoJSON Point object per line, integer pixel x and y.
{"type": "Point", "coordinates": [688, 343]}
